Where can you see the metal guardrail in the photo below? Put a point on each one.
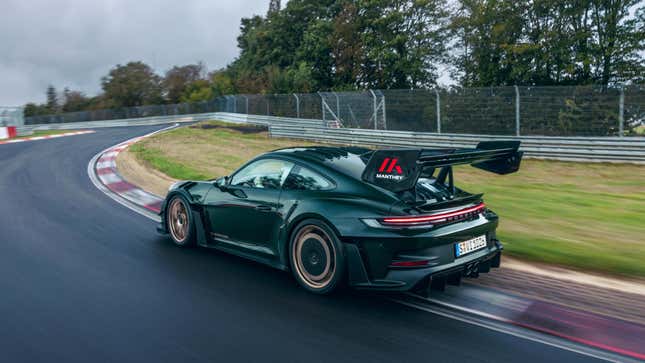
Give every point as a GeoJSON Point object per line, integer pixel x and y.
{"type": "Point", "coordinates": [160, 120]}
{"type": "Point", "coordinates": [573, 149]}
{"type": "Point", "coordinates": [598, 149]}
{"type": "Point", "coordinates": [269, 120]}
{"type": "Point", "coordinates": [146, 121]}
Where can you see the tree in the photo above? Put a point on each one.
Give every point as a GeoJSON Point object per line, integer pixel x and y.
{"type": "Point", "coordinates": [74, 101]}
{"type": "Point", "coordinates": [32, 109]}
{"type": "Point", "coordinates": [178, 78]}
{"type": "Point", "coordinates": [198, 91]}
{"type": "Point", "coordinates": [52, 100]}
{"type": "Point", "coordinates": [549, 42]}
{"type": "Point", "coordinates": [620, 40]}
{"type": "Point", "coordinates": [222, 83]}
{"type": "Point", "coordinates": [133, 84]}
{"type": "Point", "coordinates": [404, 41]}
{"type": "Point", "coordinates": [491, 36]}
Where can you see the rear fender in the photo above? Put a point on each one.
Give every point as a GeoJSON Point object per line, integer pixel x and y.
{"type": "Point", "coordinates": [342, 215]}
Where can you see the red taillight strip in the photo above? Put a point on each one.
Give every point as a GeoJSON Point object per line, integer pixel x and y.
{"type": "Point", "coordinates": [433, 217]}
{"type": "Point", "coordinates": [415, 263]}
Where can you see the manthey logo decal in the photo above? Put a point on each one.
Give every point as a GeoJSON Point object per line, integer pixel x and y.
{"type": "Point", "coordinates": [390, 169]}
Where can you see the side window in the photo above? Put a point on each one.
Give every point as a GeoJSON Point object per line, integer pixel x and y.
{"type": "Point", "coordinates": [263, 174]}
{"type": "Point", "coordinates": [305, 179]}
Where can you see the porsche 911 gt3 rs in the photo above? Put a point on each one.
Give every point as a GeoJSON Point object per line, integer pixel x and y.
{"type": "Point", "coordinates": [388, 219]}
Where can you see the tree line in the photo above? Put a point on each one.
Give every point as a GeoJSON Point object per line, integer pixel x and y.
{"type": "Point", "coordinates": [311, 45]}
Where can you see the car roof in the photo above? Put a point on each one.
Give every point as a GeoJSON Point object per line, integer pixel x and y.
{"type": "Point", "coordinates": [349, 160]}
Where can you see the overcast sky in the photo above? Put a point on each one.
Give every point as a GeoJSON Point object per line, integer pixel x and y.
{"type": "Point", "coordinates": [73, 43]}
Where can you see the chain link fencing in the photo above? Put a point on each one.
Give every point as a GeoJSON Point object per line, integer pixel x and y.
{"type": "Point", "coordinates": [517, 111]}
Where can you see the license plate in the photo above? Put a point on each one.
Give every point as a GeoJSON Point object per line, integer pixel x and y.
{"type": "Point", "coordinates": [472, 245]}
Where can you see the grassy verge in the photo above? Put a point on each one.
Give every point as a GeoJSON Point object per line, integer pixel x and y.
{"type": "Point", "coordinates": [580, 215]}
{"type": "Point", "coordinates": [583, 215]}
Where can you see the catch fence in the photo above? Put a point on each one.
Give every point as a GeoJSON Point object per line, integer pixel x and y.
{"type": "Point", "coordinates": [512, 111]}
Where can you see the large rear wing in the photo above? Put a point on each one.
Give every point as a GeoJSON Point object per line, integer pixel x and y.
{"type": "Point", "coordinates": [399, 169]}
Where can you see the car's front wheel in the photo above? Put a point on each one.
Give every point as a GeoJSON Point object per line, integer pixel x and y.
{"type": "Point", "coordinates": [316, 257]}
{"type": "Point", "coordinates": [180, 222]}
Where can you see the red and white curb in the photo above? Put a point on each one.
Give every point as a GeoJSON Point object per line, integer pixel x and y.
{"type": "Point", "coordinates": [55, 136]}
{"type": "Point", "coordinates": [104, 175]}
{"type": "Point", "coordinates": [8, 132]}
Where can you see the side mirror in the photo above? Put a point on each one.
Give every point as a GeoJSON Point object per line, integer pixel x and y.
{"type": "Point", "coordinates": [222, 183]}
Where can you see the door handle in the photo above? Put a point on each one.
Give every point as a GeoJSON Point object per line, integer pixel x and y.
{"type": "Point", "coordinates": [264, 208]}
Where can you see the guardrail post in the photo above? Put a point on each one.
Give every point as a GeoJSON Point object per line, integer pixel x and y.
{"type": "Point", "coordinates": [375, 110]}
{"type": "Point", "coordinates": [297, 105]}
{"type": "Point", "coordinates": [621, 112]}
{"type": "Point", "coordinates": [436, 92]}
{"type": "Point", "coordinates": [517, 111]}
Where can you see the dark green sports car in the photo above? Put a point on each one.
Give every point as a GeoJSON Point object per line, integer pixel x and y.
{"type": "Point", "coordinates": [372, 219]}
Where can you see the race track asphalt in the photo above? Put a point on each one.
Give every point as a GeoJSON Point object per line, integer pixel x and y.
{"type": "Point", "coordinates": [84, 279]}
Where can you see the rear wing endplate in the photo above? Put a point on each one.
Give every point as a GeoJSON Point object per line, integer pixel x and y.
{"type": "Point", "coordinates": [399, 169]}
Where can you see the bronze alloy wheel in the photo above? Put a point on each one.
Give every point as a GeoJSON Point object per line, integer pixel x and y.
{"type": "Point", "coordinates": [178, 222]}
{"type": "Point", "coordinates": [314, 255]}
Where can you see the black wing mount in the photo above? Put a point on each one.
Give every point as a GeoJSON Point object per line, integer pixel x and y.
{"type": "Point", "coordinates": [399, 169]}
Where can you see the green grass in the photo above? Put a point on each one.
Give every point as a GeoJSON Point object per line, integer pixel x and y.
{"type": "Point", "coordinates": [558, 222]}
{"type": "Point", "coordinates": [586, 216]}
{"type": "Point", "coordinates": [166, 165]}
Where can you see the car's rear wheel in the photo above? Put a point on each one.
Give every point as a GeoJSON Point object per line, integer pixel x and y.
{"type": "Point", "coordinates": [180, 222]}
{"type": "Point", "coordinates": [316, 257]}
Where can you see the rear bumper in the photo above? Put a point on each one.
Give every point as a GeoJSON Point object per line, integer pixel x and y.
{"type": "Point", "coordinates": [404, 279]}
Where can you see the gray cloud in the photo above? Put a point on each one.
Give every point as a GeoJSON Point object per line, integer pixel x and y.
{"type": "Point", "coordinates": [72, 43]}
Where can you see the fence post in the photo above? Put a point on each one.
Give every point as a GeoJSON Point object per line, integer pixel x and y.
{"type": "Point", "coordinates": [375, 110]}
{"type": "Point", "coordinates": [517, 111]}
{"type": "Point", "coordinates": [621, 112]}
{"type": "Point", "coordinates": [297, 105]}
{"type": "Point", "coordinates": [322, 107]}
{"type": "Point", "coordinates": [436, 92]}
{"type": "Point", "coordinates": [384, 113]}
{"type": "Point", "coordinates": [246, 100]}
{"type": "Point", "coordinates": [337, 106]}
{"type": "Point", "coordinates": [267, 106]}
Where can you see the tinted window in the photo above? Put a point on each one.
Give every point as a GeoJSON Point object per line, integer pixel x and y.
{"type": "Point", "coordinates": [265, 174]}
{"type": "Point", "coordinates": [305, 179]}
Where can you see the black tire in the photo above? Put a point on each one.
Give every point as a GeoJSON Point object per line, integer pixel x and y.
{"type": "Point", "coordinates": [179, 222]}
{"type": "Point", "coordinates": [317, 257]}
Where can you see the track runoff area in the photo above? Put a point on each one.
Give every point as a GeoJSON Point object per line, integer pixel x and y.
{"type": "Point", "coordinates": [579, 332]}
